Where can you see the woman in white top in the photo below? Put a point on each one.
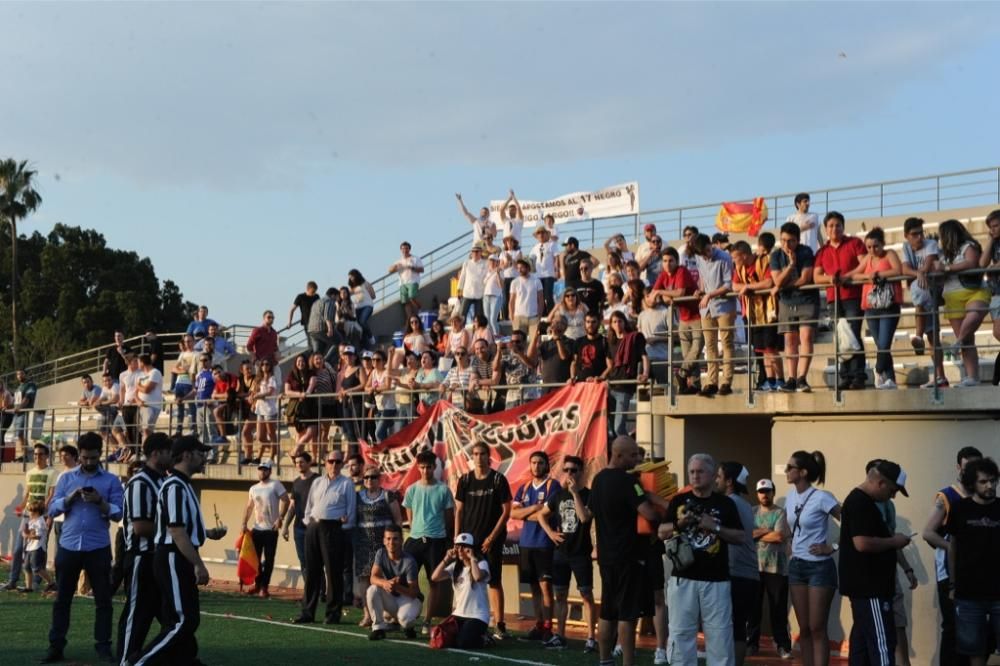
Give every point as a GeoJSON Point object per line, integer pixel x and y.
{"type": "Point", "coordinates": [381, 381]}
{"type": "Point", "coordinates": [470, 577]}
{"type": "Point", "coordinates": [264, 398]}
{"type": "Point", "coordinates": [812, 574]}
{"type": "Point", "coordinates": [362, 295]}
{"type": "Point", "coordinates": [569, 306]}
{"type": "Point", "coordinates": [613, 267]}
{"type": "Point", "coordinates": [458, 336]}
{"type": "Point", "coordinates": [493, 292]}
{"type": "Point", "coordinates": [508, 269]}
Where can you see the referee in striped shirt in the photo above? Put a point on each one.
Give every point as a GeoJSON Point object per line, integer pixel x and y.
{"type": "Point", "coordinates": [142, 596]}
{"type": "Point", "coordinates": [177, 566]}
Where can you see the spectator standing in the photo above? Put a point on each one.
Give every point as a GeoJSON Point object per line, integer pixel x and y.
{"type": "Point", "coordinates": [812, 574]}
{"type": "Point", "coordinates": [752, 273]}
{"type": "Point", "coordinates": [154, 346]}
{"type": "Point", "coordinates": [511, 218]}
{"type": "Point", "coordinates": [428, 379]}
{"type": "Point", "coordinates": [919, 256]}
{"type": "Point", "coordinates": [394, 592]}
{"type": "Point", "coordinates": [589, 289]}
{"type": "Point", "coordinates": [304, 302]}
{"type": "Point", "coordinates": [470, 578]}
{"type": "Point", "coordinates": [536, 548]}
{"type": "Point", "coordinates": [618, 245]}
{"type": "Point", "coordinates": [570, 532]}
{"type": "Point", "coordinates": [350, 382]}
{"type": "Point", "coordinates": [991, 259]}
{"type": "Point", "coordinates": [616, 501]}
{"type": "Point", "coordinates": [798, 308]}
{"type": "Point", "coordinates": [743, 572]}
{"type": "Point", "coordinates": [966, 302]}
{"type": "Point", "coordinates": [527, 298]}
{"type": "Point", "coordinates": [574, 311]}
{"type": "Point", "coordinates": [264, 398]}
{"type": "Point", "coordinates": [482, 228]}
{"type": "Point", "coordinates": [546, 268]}
{"type": "Point", "coordinates": [676, 282]}
{"type": "Point", "coordinates": [974, 528]}
{"type": "Point", "coordinates": [554, 356]}
{"type": "Point", "coordinates": [654, 324]}
{"type": "Point", "coordinates": [409, 268]}
{"type": "Point", "coordinates": [128, 405]}
{"type": "Point", "coordinates": [267, 505]}
{"type": "Point", "coordinates": [592, 360]}
{"type": "Point", "coordinates": [91, 498]}
{"type": "Point", "coordinates": [430, 510]}
{"type": "Point", "coordinates": [377, 509]}
{"type": "Point", "coordinates": [687, 254]}
{"type": "Point", "coordinates": [330, 508]}
{"type": "Point", "coordinates": [36, 535]}
{"type": "Point", "coordinates": [770, 531]}
{"type": "Point", "coordinates": [629, 362]}
{"type": "Point", "coordinates": [150, 395]}
{"type": "Point", "coordinates": [472, 281]}
{"type": "Point", "coordinates": [24, 402]}
{"type": "Point", "coordinates": [200, 323]}
{"type": "Point", "coordinates": [570, 260]}
{"type": "Point", "coordinates": [836, 261]}
{"type": "Point", "coordinates": [115, 360]}
{"type": "Point", "coordinates": [509, 256]}
{"type": "Point", "coordinates": [6, 412]}
{"type": "Point", "coordinates": [808, 223]}
{"type": "Point", "coordinates": [493, 292]}
{"type": "Point", "coordinates": [868, 563]}
{"type": "Point", "coordinates": [184, 371]}
{"type": "Point", "coordinates": [936, 534]}
{"type": "Point", "coordinates": [263, 341]}
{"type": "Point", "coordinates": [39, 486]}
{"type": "Point", "coordinates": [647, 248]}
{"type": "Point", "coordinates": [296, 511]}
{"type": "Point", "coordinates": [513, 367]}
{"type": "Point", "coordinates": [321, 327]}
{"type": "Point", "coordinates": [482, 508]}
{"type": "Point", "coordinates": [718, 312]}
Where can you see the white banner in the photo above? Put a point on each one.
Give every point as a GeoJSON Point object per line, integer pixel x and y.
{"type": "Point", "coordinates": [609, 202]}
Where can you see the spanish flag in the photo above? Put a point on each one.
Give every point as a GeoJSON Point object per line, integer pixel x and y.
{"type": "Point", "coordinates": [249, 564]}
{"type": "Point", "coordinates": [735, 217]}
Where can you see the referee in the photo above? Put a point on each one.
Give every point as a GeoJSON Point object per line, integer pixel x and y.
{"type": "Point", "coordinates": [177, 566]}
{"type": "Point", "coordinates": [142, 596]}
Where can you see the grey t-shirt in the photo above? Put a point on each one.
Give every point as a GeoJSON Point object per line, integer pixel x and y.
{"type": "Point", "coordinates": [405, 568]}
{"type": "Point", "coordinates": [743, 556]}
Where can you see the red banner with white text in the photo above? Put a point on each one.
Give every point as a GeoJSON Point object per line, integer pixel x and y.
{"type": "Point", "coordinates": [569, 421]}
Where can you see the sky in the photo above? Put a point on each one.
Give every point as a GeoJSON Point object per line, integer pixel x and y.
{"type": "Point", "coordinates": [246, 148]}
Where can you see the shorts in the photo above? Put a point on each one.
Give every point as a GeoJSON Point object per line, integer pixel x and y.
{"type": "Point", "coordinates": [408, 292]}
{"type": "Point", "coordinates": [535, 565]}
{"type": "Point", "coordinates": [579, 566]}
{"type": "Point", "coordinates": [494, 558]}
{"type": "Point", "coordinates": [621, 591]}
{"type": "Point", "coordinates": [792, 316]}
{"type": "Point", "coordinates": [766, 339]}
{"type": "Point", "coordinates": [956, 302]}
{"type": "Point", "coordinates": [21, 425]}
{"type": "Point", "coordinates": [972, 625]}
{"type": "Point", "coordinates": [148, 416]}
{"type": "Point", "coordinates": [34, 560]}
{"type": "Point", "coordinates": [427, 552]}
{"type": "Point", "coordinates": [812, 573]}
{"type": "Point", "coordinates": [995, 308]}
{"type": "Point", "coordinates": [744, 593]}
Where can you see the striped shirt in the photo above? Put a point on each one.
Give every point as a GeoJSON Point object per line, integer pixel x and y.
{"type": "Point", "coordinates": [140, 504]}
{"type": "Point", "coordinates": [178, 507]}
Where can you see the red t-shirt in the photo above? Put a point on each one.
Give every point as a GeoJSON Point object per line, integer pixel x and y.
{"type": "Point", "coordinates": [681, 279]}
{"type": "Point", "coordinates": [841, 259]}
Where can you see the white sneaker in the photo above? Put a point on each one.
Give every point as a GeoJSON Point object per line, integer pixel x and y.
{"type": "Point", "coordinates": [887, 385]}
{"type": "Point", "coordinates": [617, 652]}
{"type": "Point", "coordinates": [879, 381]}
{"type": "Point", "coordinates": [968, 382]}
{"type": "Point", "coordinates": [660, 657]}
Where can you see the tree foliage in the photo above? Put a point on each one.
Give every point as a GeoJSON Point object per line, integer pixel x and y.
{"type": "Point", "coordinates": [75, 291]}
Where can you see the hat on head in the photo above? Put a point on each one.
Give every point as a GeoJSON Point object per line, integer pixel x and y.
{"type": "Point", "coordinates": [649, 227]}
{"type": "Point", "coordinates": [348, 349]}
{"type": "Point", "coordinates": [367, 354]}
{"type": "Point", "coordinates": [539, 229]}
{"type": "Point", "coordinates": [765, 484]}
{"type": "Point", "coordinates": [571, 241]}
{"type": "Point", "coordinates": [479, 246]}
{"type": "Point", "coordinates": [894, 473]}
{"type": "Point", "coordinates": [265, 463]}
{"type": "Point", "coordinates": [187, 443]}
{"type": "Point", "coordinates": [465, 539]}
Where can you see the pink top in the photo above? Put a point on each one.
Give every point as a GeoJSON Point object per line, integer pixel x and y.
{"type": "Point", "coordinates": [881, 265]}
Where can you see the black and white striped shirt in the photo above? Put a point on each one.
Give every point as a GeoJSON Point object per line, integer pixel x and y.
{"type": "Point", "coordinates": [178, 507]}
{"type": "Point", "coordinates": [140, 504]}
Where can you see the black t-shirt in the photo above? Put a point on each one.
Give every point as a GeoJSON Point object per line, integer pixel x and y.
{"type": "Point", "coordinates": [300, 493]}
{"type": "Point", "coordinates": [552, 367]}
{"type": "Point", "coordinates": [975, 529]}
{"type": "Point", "coordinates": [571, 267]}
{"type": "Point", "coordinates": [864, 575]}
{"type": "Point", "coordinates": [711, 554]}
{"type": "Point", "coordinates": [615, 496]}
{"type": "Point", "coordinates": [591, 294]}
{"type": "Point", "coordinates": [304, 302]}
{"type": "Point", "coordinates": [154, 347]}
{"type": "Point", "coordinates": [116, 362]}
{"type": "Point", "coordinates": [564, 519]}
{"type": "Point", "coordinates": [482, 503]}
{"type": "Point", "coordinates": [591, 357]}
{"type": "Point", "coordinates": [630, 371]}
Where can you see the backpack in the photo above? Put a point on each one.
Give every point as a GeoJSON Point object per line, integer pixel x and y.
{"type": "Point", "coordinates": [444, 635]}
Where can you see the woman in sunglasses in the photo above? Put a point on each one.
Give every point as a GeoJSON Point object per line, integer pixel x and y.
{"type": "Point", "coordinates": [812, 574]}
{"type": "Point", "coordinates": [377, 508]}
{"type": "Point", "coordinates": [574, 310]}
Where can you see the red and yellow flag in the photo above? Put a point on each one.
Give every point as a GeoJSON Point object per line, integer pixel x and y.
{"type": "Point", "coordinates": [248, 565]}
{"type": "Point", "coordinates": [736, 217]}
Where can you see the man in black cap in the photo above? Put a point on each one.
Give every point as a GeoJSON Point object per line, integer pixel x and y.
{"type": "Point", "coordinates": [868, 563]}
{"type": "Point", "coordinates": [178, 567]}
{"type": "Point", "coordinates": [569, 262]}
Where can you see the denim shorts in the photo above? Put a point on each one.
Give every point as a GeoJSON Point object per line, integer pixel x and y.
{"type": "Point", "coordinates": [822, 573]}
{"type": "Point", "coordinates": [972, 625]}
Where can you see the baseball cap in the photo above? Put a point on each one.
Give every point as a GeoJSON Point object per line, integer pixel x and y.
{"type": "Point", "coordinates": [348, 349]}
{"type": "Point", "coordinates": [571, 241]}
{"type": "Point", "coordinates": [265, 463]}
{"type": "Point", "coordinates": [765, 484]}
{"type": "Point", "coordinates": [187, 443]}
{"type": "Point", "coordinates": [649, 227]}
{"type": "Point", "coordinates": [894, 473]}
{"type": "Point", "coordinates": [367, 354]}
{"type": "Point", "coordinates": [465, 539]}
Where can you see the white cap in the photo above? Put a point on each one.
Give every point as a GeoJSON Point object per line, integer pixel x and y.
{"type": "Point", "coordinates": [765, 484]}
{"type": "Point", "coordinates": [265, 463]}
{"type": "Point", "coordinates": [465, 539]}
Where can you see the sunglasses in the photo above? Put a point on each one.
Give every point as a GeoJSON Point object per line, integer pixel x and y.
{"type": "Point", "coordinates": [460, 354]}
{"type": "Point", "coordinates": [371, 478]}
{"type": "Point", "coordinates": [570, 470]}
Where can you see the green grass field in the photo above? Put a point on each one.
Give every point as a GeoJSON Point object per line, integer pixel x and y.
{"type": "Point", "coordinates": [246, 632]}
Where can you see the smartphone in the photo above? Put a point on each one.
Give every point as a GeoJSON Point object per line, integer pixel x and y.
{"type": "Point", "coordinates": [88, 489]}
{"type": "Point", "coordinates": [543, 327]}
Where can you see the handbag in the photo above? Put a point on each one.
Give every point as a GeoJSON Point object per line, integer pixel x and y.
{"type": "Point", "coordinates": [880, 296]}
{"type": "Point", "coordinates": [679, 552]}
{"type": "Point", "coordinates": [444, 635]}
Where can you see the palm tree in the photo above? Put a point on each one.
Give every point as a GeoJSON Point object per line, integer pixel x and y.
{"type": "Point", "coordinates": [17, 199]}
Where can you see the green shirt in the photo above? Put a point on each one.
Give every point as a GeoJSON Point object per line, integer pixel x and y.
{"type": "Point", "coordinates": [771, 557]}
{"type": "Point", "coordinates": [38, 482]}
{"type": "Point", "coordinates": [428, 504]}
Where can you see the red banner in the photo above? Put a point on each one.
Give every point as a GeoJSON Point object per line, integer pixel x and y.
{"type": "Point", "coordinates": [569, 421]}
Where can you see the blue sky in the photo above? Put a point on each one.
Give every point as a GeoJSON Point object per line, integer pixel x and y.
{"type": "Point", "coordinates": [247, 148]}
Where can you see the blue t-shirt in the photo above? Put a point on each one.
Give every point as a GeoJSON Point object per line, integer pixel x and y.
{"type": "Point", "coordinates": [428, 504]}
{"type": "Point", "coordinates": [204, 385]}
{"type": "Point", "coordinates": [532, 534]}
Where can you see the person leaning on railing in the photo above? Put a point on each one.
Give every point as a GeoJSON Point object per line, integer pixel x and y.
{"type": "Point", "coordinates": [627, 349]}
{"type": "Point", "coordinates": [991, 259]}
{"type": "Point", "coordinates": [919, 255]}
{"type": "Point", "coordinates": [791, 269]}
{"type": "Point", "coordinates": [752, 280]}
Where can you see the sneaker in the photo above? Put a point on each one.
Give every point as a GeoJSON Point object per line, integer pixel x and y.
{"type": "Point", "coordinates": [537, 633]}
{"type": "Point", "coordinates": [590, 646]}
{"type": "Point", "coordinates": [376, 635]}
{"type": "Point", "coordinates": [617, 652]}
{"type": "Point", "coordinates": [888, 385]}
{"type": "Point", "coordinates": [500, 633]}
{"type": "Point", "coordinates": [25, 590]}
{"type": "Point", "coordinates": [708, 391]}
{"type": "Point", "coordinates": [51, 587]}
{"type": "Point", "coordinates": [557, 642]}
{"type": "Point", "coordinates": [789, 386]}
{"type": "Point", "coordinates": [844, 385]}
{"type": "Point", "coordinates": [410, 633]}
{"type": "Point", "coordinates": [763, 387]}
{"type": "Point", "coordinates": [942, 382]}
{"type": "Point", "coordinates": [689, 390]}
{"type": "Point", "coordinates": [773, 385]}
{"type": "Point", "coordinates": [660, 656]}
{"type": "Point", "coordinates": [52, 656]}
{"type": "Point", "coordinates": [425, 630]}
{"type": "Point", "coordinates": [968, 382]}
{"type": "Point", "coordinates": [784, 654]}
{"type": "Point", "coordinates": [802, 386]}
{"type": "Point", "coordinates": [488, 641]}
{"type": "Point", "coordinates": [725, 389]}
{"type": "Point", "coordinates": [753, 650]}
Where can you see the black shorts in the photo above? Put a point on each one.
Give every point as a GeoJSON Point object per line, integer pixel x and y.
{"type": "Point", "coordinates": [621, 591]}
{"type": "Point", "coordinates": [427, 552]}
{"type": "Point", "coordinates": [652, 577]}
{"type": "Point", "coordinates": [767, 338]}
{"type": "Point", "coordinates": [494, 558]}
{"type": "Point", "coordinates": [744, 593]}
{"type": "Point", "coordinates": [566, 566]}
{"type": "Point", "coordinates": [535, 565]}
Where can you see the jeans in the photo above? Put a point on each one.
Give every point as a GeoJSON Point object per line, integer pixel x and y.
{"type": "Point", "coordinates": [620, 400]}
{"type": "Point", "coordinates": [386, 424]}
{"type": "Point", "coordinates": [853, 369]}
{"type": "Point", "coordinates": [711, 601]}
{"type": "Point", "coordinates": [974, 618]}
{"type": "Point", "coordinates": [716, 329]}
{"type": "Point", "coordinates": [548, 288]}
{"type": "Point", "coordinates": [97, 564]}
{"type": "Point", "coordinates": [947, 647]}
{"type": "Point", "coordinates": [505, 308]}
{"type": "Point", "coordinates": [265, 542]}
{"type": "Point", "coordinates": [186, 412]}
{"type": "Point", "coordinates": [362, 314]}
{"type": "Point", "coordinates": [882, 326]}
{"type": "Point", "coordinates": [491, 306]}
{"type": "Point", "coordinates": [474, 304]}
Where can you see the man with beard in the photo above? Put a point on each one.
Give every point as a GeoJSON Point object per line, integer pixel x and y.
{"type": "Point", "coordinates": [267, 504]}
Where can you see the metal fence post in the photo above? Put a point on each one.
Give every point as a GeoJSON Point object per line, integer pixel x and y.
{"type": "Point", "coordinates": [938, 190]}
{"type": "Point", "coordinates": [837, 397]}
{"type": "Point", "coordinates": [750, 356]}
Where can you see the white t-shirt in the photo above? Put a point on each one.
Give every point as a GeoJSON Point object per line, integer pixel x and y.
{"type": "Point", "coordinates": [526, 290]}
{"type": "Point", "coordinates": [473, 282]}
{"type": "Point", "coordinates": [267, 407]}
{"type": "Point", "coordinates": [509, 257]}
{"type": "Point", "coordinates": [494, 284]}
{"type": "Point", "coordinates": [929, 249]}
{"type": "Point", "coordinates": [155, 397]}
{"type": "Point", "coordinates": [266, 496]}
{"type": "Point", "coordinates": [544, 255]}
{"type": "Point", "coordinates": [128, 382]}
{"type": "Point", "coordinates": [37, 524]}
{"type": "Point", "coordinates": [809, 520]}
{"type": "Point", "coordinates": [471, 600]}
{"type": "Point", "coordinates": [361, 297]}
{"type": "Point", "coordinates": [807, 237]}
{"type": "Point", "coordinates": [405, 267]}
{"type": "Point", "coordinates": [109, 395]}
